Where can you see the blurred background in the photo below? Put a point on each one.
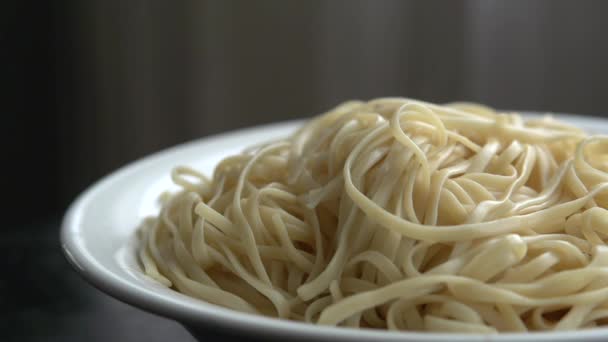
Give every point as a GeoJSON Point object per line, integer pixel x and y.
{"type": "Point", "coordinates": [92, 85]}
{"type": "Point", "coordinates": [88, 86]}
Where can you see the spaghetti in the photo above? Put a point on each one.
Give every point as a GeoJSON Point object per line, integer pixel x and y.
{"type": "Point", "coordinates": [398, 214]}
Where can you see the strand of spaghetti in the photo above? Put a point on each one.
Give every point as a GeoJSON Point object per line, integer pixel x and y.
{"type": "Point", "coordinates": [478, 290]}
{"type": "Point", "coordinates": [247, 233]}
{"type": "Point", "coordinates": [456, 232]}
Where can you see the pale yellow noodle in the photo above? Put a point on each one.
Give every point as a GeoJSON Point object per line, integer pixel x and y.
{"type": "Point", "coordinates": [398, 214]}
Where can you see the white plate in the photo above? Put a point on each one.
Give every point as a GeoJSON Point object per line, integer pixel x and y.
{"type": "Point", "coordinates": [98, 231]}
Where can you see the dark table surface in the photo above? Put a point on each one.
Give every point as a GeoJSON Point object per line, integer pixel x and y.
{"type": "Point", "coordinates": [43, 299]}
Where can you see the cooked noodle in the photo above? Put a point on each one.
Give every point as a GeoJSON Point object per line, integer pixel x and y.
{"type": "Point", "coordinates": [402, 215]}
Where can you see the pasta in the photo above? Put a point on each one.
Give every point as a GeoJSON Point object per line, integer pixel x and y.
{"type": "Point", "coordinates": [398, 214]}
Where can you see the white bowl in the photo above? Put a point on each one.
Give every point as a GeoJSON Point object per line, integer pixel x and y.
{"type": "Point", "coordinates": [98, 239]}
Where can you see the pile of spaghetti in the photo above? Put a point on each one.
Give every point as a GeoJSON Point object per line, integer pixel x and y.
{"type": "Point", "coordinates": [398, 214]}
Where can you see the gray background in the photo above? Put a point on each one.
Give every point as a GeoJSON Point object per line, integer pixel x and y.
{"type": "Point", "coordinates": [132, 77]}
{"type": "Point", "coordinates": [165, 72]}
